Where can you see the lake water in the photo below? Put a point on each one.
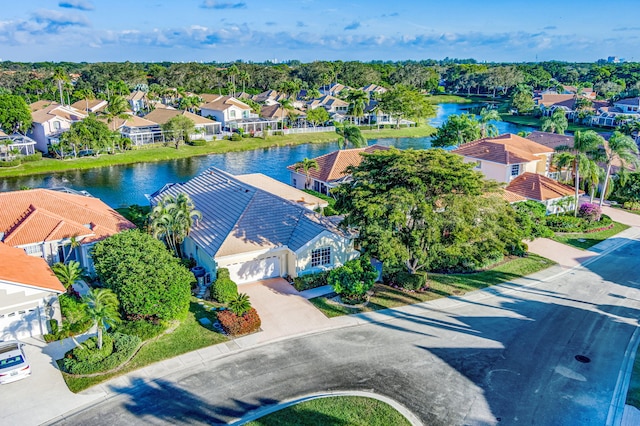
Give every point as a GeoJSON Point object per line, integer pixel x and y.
{"type": "Point", "coordinates": [124, 185]}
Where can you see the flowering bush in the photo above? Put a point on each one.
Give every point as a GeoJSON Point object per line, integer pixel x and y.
{"type": "Point", "coordinates": [590, 212]}
{"type": "Point", "coordinates": [237, 325]}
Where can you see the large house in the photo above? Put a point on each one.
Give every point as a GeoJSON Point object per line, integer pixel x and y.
{"type": "Point", "coordinates": [622, 110]}
{"type": "Point", "coordinates": [331, 170]}
{"type": "Point", "coordinates": [137, 129]}
{"type": "Point", "coordinates": [204, 128]}
{"type": "Point", "coordinates": [224, 109]}
{"type": "Point", "coordinates": [505, 157]}
{"type": "Point", "coordinates": [254, 233]}
{"type": "Point", "coordinates": [28, 294]}
{"type": "Point", "coordinates": [50, 120]}
{"type": "Point", "coordinates": [46, 223]}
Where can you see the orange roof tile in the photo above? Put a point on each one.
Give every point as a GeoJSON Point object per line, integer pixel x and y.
{"type": "Point", "coordinates": [511, 197]}
{"type": "Point", "coordinates": [39, 215]}
{"type": "Point", "coordinates": [18, 267]}
{"type": "Point", "coordinates": [538, 187]}
{"type": "Point", "coordinates": [503, 149]}
{"type": "Point", "coordinates": [332, 166]}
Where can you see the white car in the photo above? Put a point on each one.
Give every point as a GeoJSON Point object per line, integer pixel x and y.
{"type": "Point", "coordinates": [13, 362]}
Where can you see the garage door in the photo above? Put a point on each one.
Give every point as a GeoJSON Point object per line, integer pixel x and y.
{"type": "Point", "coordinates": [254, 270]}
{"type": "Point", "coordinates": [20, 324]}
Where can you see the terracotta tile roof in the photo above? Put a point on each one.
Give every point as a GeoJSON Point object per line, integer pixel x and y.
{"type": "Point", "coordinates": [511, 197]}
{"type": "Point", "coordinates": [222, 103]}
{"type": "Point", "coordinates": [161, 116]}
{"type": "Point", "coordinates": [538, 187]}
{"type": "Point", "coordinates": [503, 149]}
{"type": "Point", "coordinates": [551, 99]}
{"type": "Point", "coordinates": [332, 166]}
{"type": "Point", "coordinates": [39, 215]}
{"type": "Point", "coordinates": [18, 267]}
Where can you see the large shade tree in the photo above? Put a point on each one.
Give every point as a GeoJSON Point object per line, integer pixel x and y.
{"type": "Point", "coordinates": [458, 129]}
{"type": "Point", "coordinates": [177, 129]}
{"type": "Point", "coordinates": [403, 102]}
{"type": "Point", "coordinates": [424, 210]}
{"type": "Point", "coordinates": [150, 283]}
{"type": "Point", "coordinates": [15, 115]}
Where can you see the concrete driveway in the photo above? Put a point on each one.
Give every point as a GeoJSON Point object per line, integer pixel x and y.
{"type": "Point", "coordinates": [283, 311]}
{"type": "Point", "coordinates": [44, 395]}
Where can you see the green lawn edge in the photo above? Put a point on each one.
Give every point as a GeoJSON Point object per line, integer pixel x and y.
{"type": "Point", "coordinates": [189, 336]}
{"type": "Point", "coordinates": [527, 120]}
{"type": "Point", "coordinates": [163, 153]}
{"type": "Point", "coordinates": [335, 410]}
{"type": "Point", "coordinates": [441, 285]}
{"type": "Point", "coordinates": [590, 239]}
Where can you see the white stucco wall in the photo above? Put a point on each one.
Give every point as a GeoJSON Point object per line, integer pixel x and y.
{"type": "Point", "coordinates": [190, 249]}
{"type": "Point", "coordinates": [341, 251]}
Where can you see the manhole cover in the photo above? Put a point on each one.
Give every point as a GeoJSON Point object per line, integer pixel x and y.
{"type": "Point", "coordinates": [583, 359]}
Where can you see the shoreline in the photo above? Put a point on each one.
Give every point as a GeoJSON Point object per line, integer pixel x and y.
{"type": "Point", "coordinates": [158, 153]}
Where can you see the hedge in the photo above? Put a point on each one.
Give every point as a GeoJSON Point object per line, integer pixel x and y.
{"type": "Point", "coordinates": [224, 290]}
{"type": "Point", "coordinates": [32, 157]}
{"type": "Point", "coordinates": [10, 163]}
{"type": "Point", "coordinates": [407, 281]}
{"type": "Point", "coordinates": [306, 282]}
{"type": "Point", "coordinates": [569, 224]}
{"type": "Point", "coordinates": [235, 325]}
{"type": "Point", "coordinates": [87, 359]}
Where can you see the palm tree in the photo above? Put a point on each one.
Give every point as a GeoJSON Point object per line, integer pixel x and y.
{"type": "Point", "coordinates": [245, 78]}
{"type": "Point", "coordinates": [488, 129]}
{"type": "Point", "coordinates": [350, 135]}
{"type": "Point", "coordinates": [172, 218]}
{"type": "Point", "coordinates": [306, 165]}
{"type": "Point", "coordinates": [61, 77]}
{"type": "Point", "coordinates": [117, 108]}
{"type": "Point", "coordinates": [102, 308]}
{"type": "Point", "coordinates": [232, 72]}
{"type": "Point", "coordinates": [240, 304]}
{"type": "Point", "coordinates": [68, 274]}
{"type": "Point", "coordinates": [593, 174]}
{"type": "Point", "coordinates": [620, 149]}
{"type": "Point", "coordinates": [73, 244]}
{"type": "Point", "coordinates": [86, 94]}
{"type": "Point", "coordinates": [584, 146]}
{"type": "Point", "coordinates": [557, 123]}
{"type": "Point", "coordinates": [286, 107]}
{"type": "Point", "coordinates": [358, 101]}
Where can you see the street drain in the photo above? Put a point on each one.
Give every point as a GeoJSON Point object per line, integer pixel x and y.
{"type": "Point", "coordinates": [583, 359]}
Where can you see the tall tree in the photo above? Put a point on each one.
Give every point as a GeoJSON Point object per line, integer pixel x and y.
{"type": "Point", "coordinates": [102, 308]}
{"type": "Point", "coordinates": [458, 129]}
{"type": "Point", "coordinates": [306, 165]}
{"type": "Point", "coordinates": [317, 116]}
{"type": "Point", "coordinates": [350, 135]}
{"type": "Point", "coordinates": [557, 123]}
{"type": "Point", "coordinates": [68, 274]}
{"type": "Point", "coordinates": [402, 102]}
{"type": "Point", "coordinates": [178, 129]}
{"type": "Point", "coordinates": [585, 144]}
{"type": "Point", "coordinates": [358, 101]}
{"type": "Point", "coordinates": [172, 218]}
{"type": "Point", "coordinates": [487, 128]}
{"type": "Point", "coordinates": [60, 77]}
{"type": "Point", "coordinates": [620, 149]}
{"type": "Point", "coordinates": [15, 115]}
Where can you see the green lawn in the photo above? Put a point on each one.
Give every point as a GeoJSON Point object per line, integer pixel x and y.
{"type": "Point", "coordinates": [187, 337]}
{"type": "Point", "coordinates": [448, 99]}
{"type": "Point", "coordinates": [633, 394]}
{"type": "Point", "coordinates": [160, 153]}
{"type": "Point", "coordinates": [441, 285]}
{"type": "Point", "coordinates": [339, 410]}
{"type": "Point", "coordinates": [584, 241]}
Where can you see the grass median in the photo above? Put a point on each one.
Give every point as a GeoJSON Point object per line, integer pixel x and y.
{"type": "Point", "coordinates": [441, 285]}
{"type": "Point", "coordinates": [339, 410]}
{"type": "Point", "coordinates": [163, 153]}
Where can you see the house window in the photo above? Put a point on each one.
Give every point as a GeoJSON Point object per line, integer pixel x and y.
{"type": "Point", "coordinates": [321, 257]}
{"type": "Point", "coordinates": [232, 113]}
{"type": "Point", "coordinates": [33, 250]}
{"type": "Point", "coordinates": [515, 170]}
{"type": "Point", "coordinates": [56, 125]}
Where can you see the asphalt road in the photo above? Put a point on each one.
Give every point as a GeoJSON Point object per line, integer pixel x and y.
{"type": "Point", "coordinates": [508, 358]}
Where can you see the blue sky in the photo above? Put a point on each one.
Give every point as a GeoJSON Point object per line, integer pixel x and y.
{"type": "Point", "coordinates": [307, 30]}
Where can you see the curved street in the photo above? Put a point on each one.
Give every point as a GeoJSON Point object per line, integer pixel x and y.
{"type": "Point", "coordinates": [505, 355]}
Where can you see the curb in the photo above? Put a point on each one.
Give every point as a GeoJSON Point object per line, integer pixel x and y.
{"type": "Point", "coordinates": [616, 408]}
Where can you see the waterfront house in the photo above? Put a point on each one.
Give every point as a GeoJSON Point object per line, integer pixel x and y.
{"type": "Point", "coordinates": [254, 233]}
{"type": "Point", "coordinates": [627, 109]}
{"type": "Point", "coordinates": [505, 157]}
{"type": "Point", "coordinates": [331, 170]}
{"type": "Point", "coordinates": [551, 193]}
{"type": "Point", "coordinates": [138, 129]}
{"type": "Point", "coordinates": [50, 120]}
{"type": "Point", "coordinates": [204, 128]}
{"type": "Point", "coordinates": [224, 109]}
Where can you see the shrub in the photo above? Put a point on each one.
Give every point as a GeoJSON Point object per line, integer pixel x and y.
{"type": "Point", "coordinates": [531, 219]}
{"type": "Point", "coordinates": [53, 326]}
{"type": "Point", "coordinates": [236, 137]}
{"type": "Point", "coordinates": [32, 157]}
{"type": "Point", "coordinates": [309, 281]}
{"type": "Point", "coordinates": [239, 304]}
{"type": "Point", "coordinates": [353, 279]}
{"type": "Point", "coordinates": [590, 212]}
{"type": "Point", "coordinates": [237, 325]}
{"type": "Point", "coordinates": [142, 329]}
{"type": "Point", "coordinates": [408, 281]}
{"type": "Point", "coordinates": [197, 142]}
{"type": "Point", "coordinates": [10, 163]}
{"type": "Point", "coordinates": [632, 205]}
{"type": "Point", "coordinates": [565, 223]}
{"type": "Point", "coordinates": [224, 290]}
{"type": "Point", "coordinates": [223, 273]}
{"type": "Point", "coordinates": [86, 359]}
